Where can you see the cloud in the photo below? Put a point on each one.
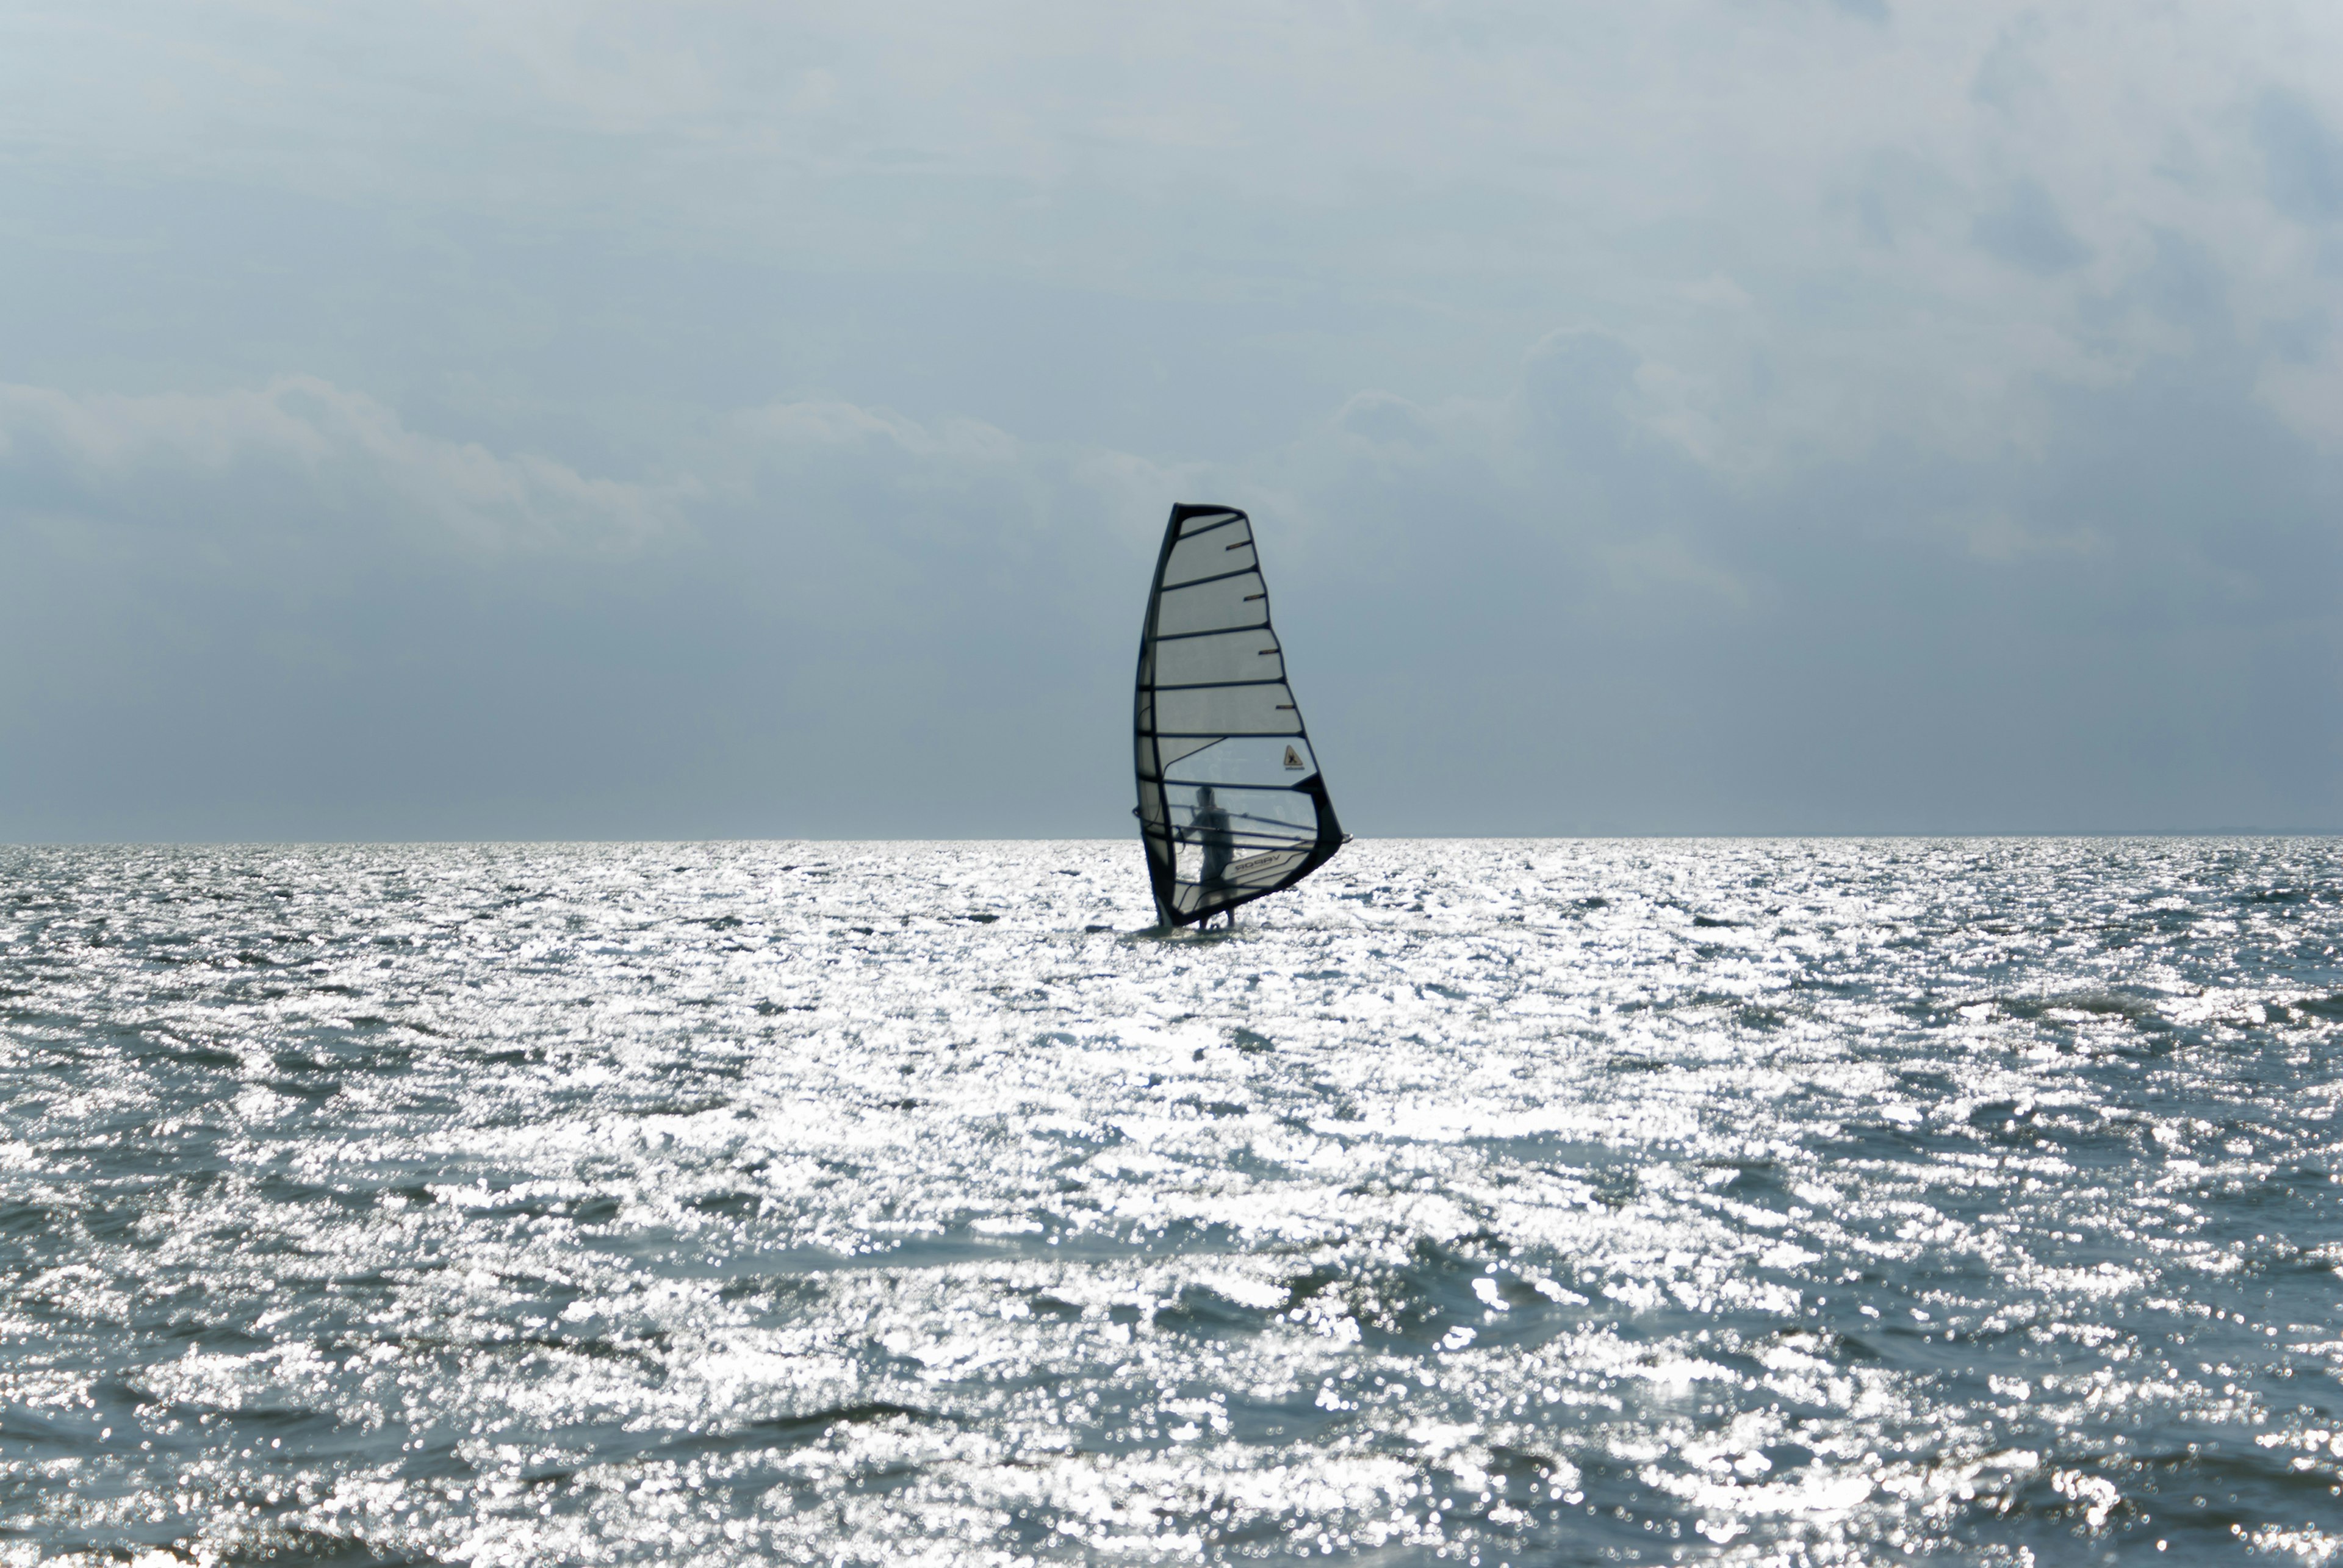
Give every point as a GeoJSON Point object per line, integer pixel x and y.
{"type": "Point", "coordinates": [2304, 157]}
{"type": "Point", "coordinates": [1535, 610]}
{"type": "Point", "coordinates": [1382, 420]}
{"type": "Point", "coordinates": [301, 454]}
{"type": "Point", "coordinates": [1396, 184]}
{"type": "Point", "coordinates": [1551, 609]}
{"type": "Point", "coordinates": [2024, 229]}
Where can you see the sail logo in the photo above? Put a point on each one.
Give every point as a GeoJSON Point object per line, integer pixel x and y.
{"type": "Point", "coordinates": [1294, 759]}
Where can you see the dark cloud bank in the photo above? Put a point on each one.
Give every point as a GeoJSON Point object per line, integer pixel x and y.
{"type": "Point", "coordinates": [284, 614]}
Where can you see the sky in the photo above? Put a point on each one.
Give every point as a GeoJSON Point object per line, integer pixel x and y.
{"type": "Point", "coordinates": [596, 420]}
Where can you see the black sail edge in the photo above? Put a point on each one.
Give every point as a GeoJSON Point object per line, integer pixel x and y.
{"type": "Point", "coordinates": [1232, 804]}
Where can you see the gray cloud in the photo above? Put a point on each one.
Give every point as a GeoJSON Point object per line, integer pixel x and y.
{"type": "Point", "coordinates": [2024, 228]}
{"type": "Point", "coordinates": [2304, 157]}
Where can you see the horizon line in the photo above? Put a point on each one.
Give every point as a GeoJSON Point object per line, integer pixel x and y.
{"type": "Point", "coordinates": [1840, 836]}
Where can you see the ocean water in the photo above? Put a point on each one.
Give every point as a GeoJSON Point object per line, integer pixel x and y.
{"type": "Point", "coordinates": [1480, 1203]}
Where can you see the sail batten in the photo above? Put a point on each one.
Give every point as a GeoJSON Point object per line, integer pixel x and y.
{"type": "Point", "coordinates": [1210, 716]}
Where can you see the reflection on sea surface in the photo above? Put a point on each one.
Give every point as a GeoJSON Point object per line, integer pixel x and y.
{"type": "Point", "coordinates": [1480, 1203]}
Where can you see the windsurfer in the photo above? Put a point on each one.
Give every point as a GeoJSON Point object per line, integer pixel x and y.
{"type": "Point", "coordinates": [1211, 827]}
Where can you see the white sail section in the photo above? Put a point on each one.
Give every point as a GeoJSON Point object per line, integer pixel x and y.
{"type": "Point", "coordinates": [1230, 803]}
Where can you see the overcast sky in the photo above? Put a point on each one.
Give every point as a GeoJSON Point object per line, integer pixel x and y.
{"type": "Point", "coordinates": [547, 420]}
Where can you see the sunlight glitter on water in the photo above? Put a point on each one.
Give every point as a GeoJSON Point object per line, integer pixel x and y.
{"type": "Point", "coordinates": [1553, 1202]}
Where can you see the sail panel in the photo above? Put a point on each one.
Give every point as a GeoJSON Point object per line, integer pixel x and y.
{"type": "Point", "coordinates": [1240, 761]}
{"type": "Point", "coordinates": [1157, 754]}
{"type": "Point", "coordinates": [1215, 604]}
{"type": "Point", "coordinates": [1266, 709]}
{"type": "Point", "coordinates": [1226, 656]}
{"type": "Point", "coordinates": [1210, 555]}
{"type": "Point", "coordinates": [1232, 806]}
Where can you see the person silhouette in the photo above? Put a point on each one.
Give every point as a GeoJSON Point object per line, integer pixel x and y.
{"type": "Point", "coordinates": [1210, 825]}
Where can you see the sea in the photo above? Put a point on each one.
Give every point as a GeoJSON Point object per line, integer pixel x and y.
{"type": "Point", "coordinates": [1478, 1202]}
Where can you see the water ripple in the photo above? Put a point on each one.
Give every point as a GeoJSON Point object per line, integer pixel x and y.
{"type": "Point", "coordinates": [1483, 1202]}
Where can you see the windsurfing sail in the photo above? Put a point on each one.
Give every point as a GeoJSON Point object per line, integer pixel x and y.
{"type": "Point", "coordinates": [1231, 804]}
